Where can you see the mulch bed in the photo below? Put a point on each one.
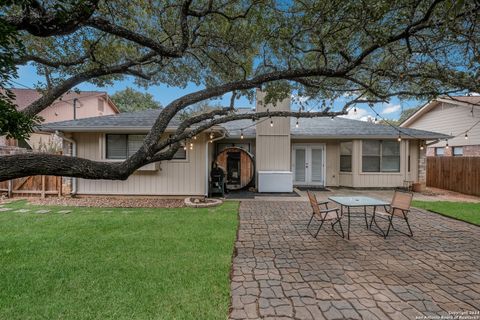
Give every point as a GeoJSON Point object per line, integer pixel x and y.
{"type": "Point", "coordinates": [107, 202]}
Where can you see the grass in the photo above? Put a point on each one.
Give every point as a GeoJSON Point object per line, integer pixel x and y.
{"type": "Point", "coordinates": [123, 264]}
{"type": "Point", "coordinates": [465, 211]}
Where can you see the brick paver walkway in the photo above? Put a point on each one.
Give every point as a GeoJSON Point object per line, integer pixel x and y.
{"type": "Point", "coordinates": [282, 272]}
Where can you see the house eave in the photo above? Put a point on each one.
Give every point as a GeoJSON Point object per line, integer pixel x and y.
{"type": "Point", "coordinates": [359, 137]}
{"type": "Point", "coordinates": [113, 129]}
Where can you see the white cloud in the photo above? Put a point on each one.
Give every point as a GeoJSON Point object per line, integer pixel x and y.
{"type": "Point", "coordinates": [361, 114]}
{"type": "Point", "coordinates": [391, 108]}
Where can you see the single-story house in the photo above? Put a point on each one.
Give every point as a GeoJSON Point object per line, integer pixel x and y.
{"type": "Point", "coordinates": [316, 152]}
{"type": "Point", "coordinates": [457, 116]}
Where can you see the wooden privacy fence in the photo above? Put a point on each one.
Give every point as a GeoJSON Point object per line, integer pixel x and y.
{"type": "Point", "coordinates": [461, 174]}
{"type": "Point", "coordinates": [32, 186]}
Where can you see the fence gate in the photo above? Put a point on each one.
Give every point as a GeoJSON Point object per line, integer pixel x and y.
{"type": "Point", "coordinates": [32, 186]}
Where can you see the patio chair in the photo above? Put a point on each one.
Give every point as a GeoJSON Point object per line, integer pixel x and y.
{"type": "Point", "coordinates": [400, 208]}
{"type": "Point", "coordinates": [331, 215]}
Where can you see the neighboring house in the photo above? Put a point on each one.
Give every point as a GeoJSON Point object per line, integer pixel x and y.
{"type": "Point", "coordinates": [458, 117]}
{"type": "Point", "coordinates": [319, 152]}
{"type": "Point", "coordinates": [70, 106]}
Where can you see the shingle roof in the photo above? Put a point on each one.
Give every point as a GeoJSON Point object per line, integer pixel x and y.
{"type": "Point", "coordinates": [308, 127]}
{"type": "Point", "coordinates": [342, 127]}
{"type": "Point", "coordinates": [141, 120]}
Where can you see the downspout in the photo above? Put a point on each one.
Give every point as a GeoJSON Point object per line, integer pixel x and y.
{"type": "Point", "coordinates": [207, 178]}
{"type": "Point", "coordinates": [74, 154]}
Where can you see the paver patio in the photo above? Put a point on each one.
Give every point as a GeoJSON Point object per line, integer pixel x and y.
{"type": "Point", "coordinates": [281, 271]}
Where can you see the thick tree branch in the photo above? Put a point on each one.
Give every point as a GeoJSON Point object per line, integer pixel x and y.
{"type": "Point", "coordinates": [41, 22]}
{"type": "Point", "coordinates": [106, 26]}
{"type": "Point", "coordinates": [50, 96]}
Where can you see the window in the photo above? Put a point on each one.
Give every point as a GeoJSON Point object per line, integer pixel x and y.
{"type": "Point", "coordinates": [117, 146]}
{"type": "Point", "coordinates": [458, 151]}
{"type": "Point", "coordinates": [346, 156]}
{"type": "Point", "coordinates": [390, 156]}
{"type": "Point", "coordinates": [439, 152]}
{"type": "Point", "coordinates": [101, 106]}
{"type": "Point", "coordinates": [181, 154]}
{"type": "Point", "coordinates": [380, 156]}
{"type": "Point", "coordinates": [122, 146]}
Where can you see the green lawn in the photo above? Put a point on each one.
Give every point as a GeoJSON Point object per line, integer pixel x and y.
{"type": "Point", "coordinates": [469, 212]}
{"type": "Point", "coordinates": [140, 264]}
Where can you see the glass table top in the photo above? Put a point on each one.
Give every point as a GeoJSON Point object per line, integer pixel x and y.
{"type": "Point", "coordinates": [358, 201]}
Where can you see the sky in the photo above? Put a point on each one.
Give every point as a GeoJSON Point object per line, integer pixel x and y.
{"type": "Point", "coordinates": [28, 78]}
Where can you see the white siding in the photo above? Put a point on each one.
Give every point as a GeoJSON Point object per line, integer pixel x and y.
{"type": "Point", "coordinates": [378, 179]}
{"type": "Point", "coordinates": [273, 153]}
{"type": "Point", "coordinates": [175, 177]}
{"type": "Point", "coordinates": [332, 170]}
{"type": "Point", "coordinates": [451, 119]}
{"type": "Point", "coordinates": [357, 178]}
{"type": "Point", "coordinates": [273, 143]}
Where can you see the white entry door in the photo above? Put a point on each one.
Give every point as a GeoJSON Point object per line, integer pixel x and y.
{"type": "Point", "coordinates": [308, 164]}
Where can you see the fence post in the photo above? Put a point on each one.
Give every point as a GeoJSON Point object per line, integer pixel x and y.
{"type": "Point", "coordinates": [10, 187]}
{"type": "Point", "coordinates": [59, 185]}
{"type": "Point", "coordinates": [43, 186]}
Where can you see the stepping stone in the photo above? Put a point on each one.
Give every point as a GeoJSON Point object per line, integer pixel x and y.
{"type": "Point", "coordinates": [5, 209]}
{"type": "Point", "coordinates": [22, 210]}
{"type": "Point", "coordinates": [42, 211]}
{"type": "Point", "coordinates": [65, 211]}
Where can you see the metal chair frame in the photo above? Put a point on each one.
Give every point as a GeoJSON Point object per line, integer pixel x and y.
{"type": "Point", "coordinates": [322, 215]}
{"type": "Point", "coordinates": [217, 186]}
{"type": "Point", "coordinates": [393, 210]}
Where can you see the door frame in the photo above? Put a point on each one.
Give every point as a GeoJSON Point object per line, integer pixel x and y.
{"type": "Point", "coordinates": [308, 156]}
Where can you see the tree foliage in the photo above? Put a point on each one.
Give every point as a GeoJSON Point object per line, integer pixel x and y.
{"type": "Point", "coordinates": [367, 50]}
{"type": "Point", "coordinates": [129, 100]}
{"type": "Point", "coordinates": [13, 124]}
{"type": "Point", "coordinates": [407, 113]}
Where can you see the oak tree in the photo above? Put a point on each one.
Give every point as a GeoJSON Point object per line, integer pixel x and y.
{"type": "Point", "coordinates": [367, 51]}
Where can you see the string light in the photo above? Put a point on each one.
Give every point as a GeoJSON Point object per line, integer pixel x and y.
{"type": "Point", "coordinates": [376, 119]}
{"type": "Point", "coordinates": [332, 118]}
{"type": "Point", "coordinates": [355, 110]}
{"type": "Point", "coordinates": [446, 147]}
{"type": "Point", "coordinates": [399, 137]}
{"type": "Point", "coordinates": [194, 137]}
{"type": "Point", "coordinates": [296, 124]}
{"type": "Point", "coordinates": [191, 146]}
{"type": "Point", "coordinates": [211, 135]}
{"type": "Point", "coordinates": [271, 123]}
{"type": "Point", "coordinates": [421, 146]}
{"type": "Point", "coordinates": [185, 145]}
{"type": "Point", "coordinates": [466, 135]}
{"type": "Point", "coordinates": [241, 134]}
